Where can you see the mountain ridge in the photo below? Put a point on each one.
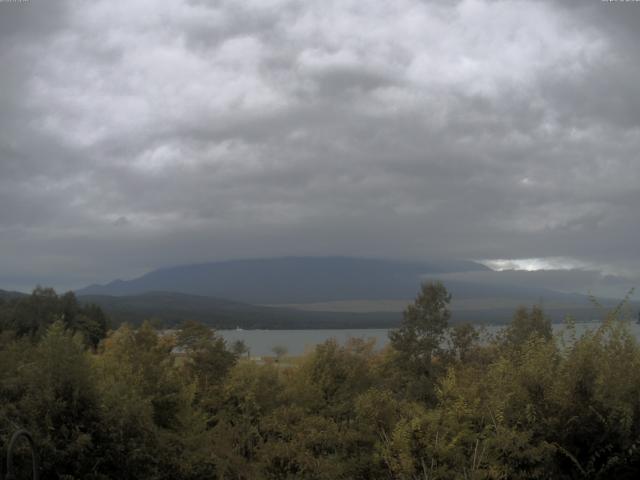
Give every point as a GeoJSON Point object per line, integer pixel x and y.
{"type": "Point", "coordinates": [9, 294]}
{"type": "Point", "coordinates": [292, 292]}
{"type": "Point", "coordinates": [287, 279]}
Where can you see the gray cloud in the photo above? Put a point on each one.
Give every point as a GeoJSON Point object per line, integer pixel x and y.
{"type": "Point", "coordinates": [139, 134]}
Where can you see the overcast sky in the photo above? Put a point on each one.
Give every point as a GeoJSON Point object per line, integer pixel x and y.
{"type": "Point", "coordinates": [138, 134]}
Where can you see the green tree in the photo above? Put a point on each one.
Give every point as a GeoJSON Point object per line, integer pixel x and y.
{"type": "Point", "coordinates": [151, 424]}
{"type": "Point", "coordinates": [279, 351]}
{"type": "Point", "coordinates": [32, 315]}
{"type": "Point", "coordinates": [527, 323]}
{"type": "Point", "coordinates": [419, 339]}
{"type": "Point", "coordinates": [463, 337]}
{"type": "Point", "coordinates": [49, 389]}
{"type": "Point", "coordinates": [207, 360]}
{"type": "Point", "coordinates": [239, 348]}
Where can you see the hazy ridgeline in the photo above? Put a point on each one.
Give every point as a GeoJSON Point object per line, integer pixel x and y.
{"type": "Point", "coordinates": [133, 404]}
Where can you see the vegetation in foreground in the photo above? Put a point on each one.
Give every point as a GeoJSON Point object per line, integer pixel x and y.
{"type": "Point", "coordinates": [439, 403]}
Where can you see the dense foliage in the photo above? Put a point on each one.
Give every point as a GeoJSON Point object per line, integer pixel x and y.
{"type": "Point", "coordinates": [31, 315]}
{"type": "Point", "coordinates": [439, 402]}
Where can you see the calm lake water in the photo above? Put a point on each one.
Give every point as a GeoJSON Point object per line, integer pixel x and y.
{"type": "Point", "coordinates": [297, 342]}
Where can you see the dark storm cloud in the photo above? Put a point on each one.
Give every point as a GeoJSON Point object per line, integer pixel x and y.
{"type": "Point", "coordinates": [139, 134]}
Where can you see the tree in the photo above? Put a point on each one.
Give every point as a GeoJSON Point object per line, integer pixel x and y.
{"type": "Point", "coordinates": [239, 348]}
{"type": "Point", "coordinates": [279, 351]}
{"type": "Point", "coordinates": [32, 315]}
{"type": "Point", "coordinates": [55, 397]}
{"type": "Point", "coordinates": [420, 336]}
{"type": "Point", "coordinates": [92, 323]}
{"type": "Point", "coordinates": [207, 360]}
{"type": "Point", "coordinates": [462, 339]}
{"type": "Point", "coordinates": [526, 324]}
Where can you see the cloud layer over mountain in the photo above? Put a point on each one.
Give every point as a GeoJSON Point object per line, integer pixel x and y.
{"type": "Point", "coordinates": [138, 134]}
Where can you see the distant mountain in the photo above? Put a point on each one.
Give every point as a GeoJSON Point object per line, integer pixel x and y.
{"type": "Point", "coordinates": [5, 295]}
{"type": "Point", "coordinates": [289, 279]}
{"type": "Point", "coordinates": [318, 292]}
{"type": "Point", "coordinates": [171, 309]}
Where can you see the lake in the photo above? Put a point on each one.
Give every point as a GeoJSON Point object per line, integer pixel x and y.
{"type": "Point", "coordinates": [297, 342]}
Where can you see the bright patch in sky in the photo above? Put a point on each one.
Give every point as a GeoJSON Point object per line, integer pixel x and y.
{"type": "Point", "coordinates": [533, 264]}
